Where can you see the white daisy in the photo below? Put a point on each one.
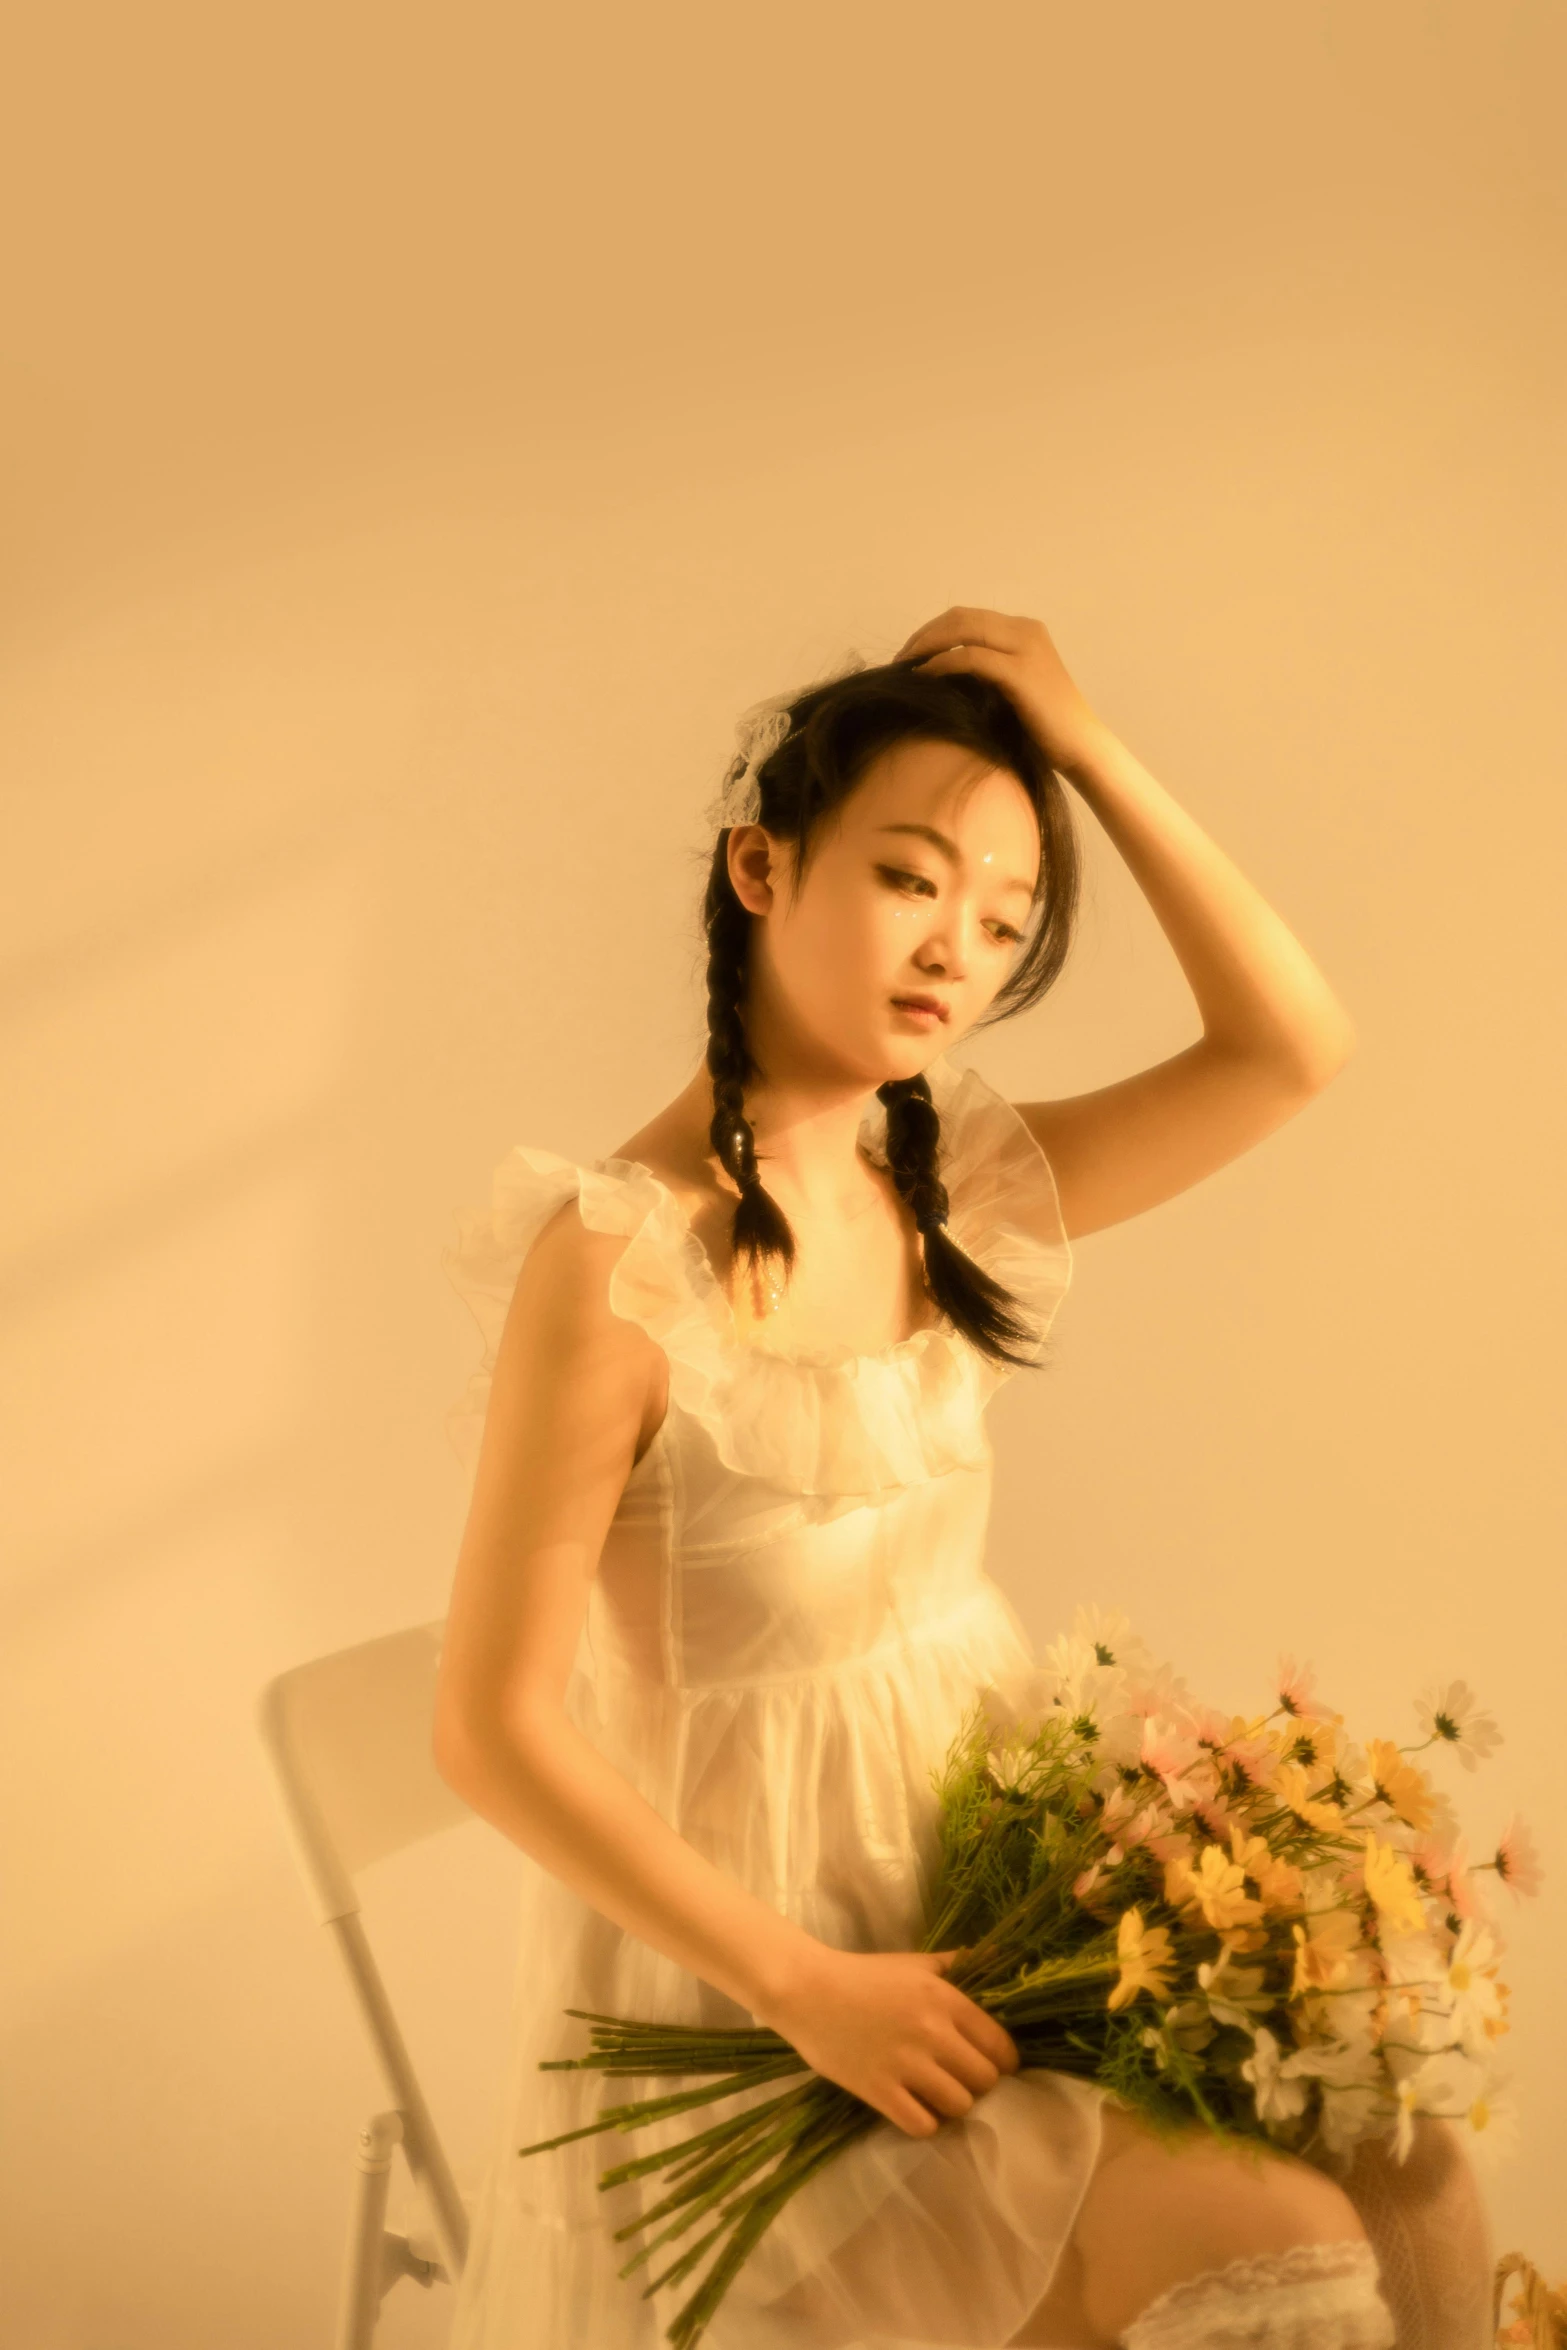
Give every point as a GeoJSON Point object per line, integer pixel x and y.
{"type": "Point", "coordinates": [1120, 1739]}
{"type": "Point", "coordinates": [1109, 1633]}
{"type": "Point", "coordinates": [1084, 1687]}
{"type": "Point", "coordinates": [1234, 1994]}
{"type": "Point", "coordinates": [1020, 1701]}
{"type": "Point", "coordinates": [1445, 2083]}
{"type": "Point", "coordinates": [1474, 1996]}
{"type": "Point", "coordinates": [1493, 2126]}
{"type": "Point", "coordinates": [1349, 2114]}
{"type": "Point", "coordinates": [1277, 2085]}
{"type": "Point", "coordinates": [1451, 1711]}
{"type": "Point", "coordinates": [1159, 1689]}
{"type": "Point", "coordinates": [1356, 2096]}
{"type": "Point", "coordinates": [1010, 1763]}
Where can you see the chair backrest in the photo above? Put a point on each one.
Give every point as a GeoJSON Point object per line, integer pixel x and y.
{"type": "Point", "coordinates": [349, 1737]}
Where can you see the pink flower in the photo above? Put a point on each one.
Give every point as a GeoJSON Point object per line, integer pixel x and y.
{"type": "Point", "coordinates": [1170, 1751]}
{"type": "Point", "coordinates": [1236, 1743]}
{"type": "Point", "coordinates": [1254, 1756]}
{"type": "Point", "coordinates": [1448, 1870]}
{"type": "Point", "coordinates": [1160, 1691]}
{"type": "Point", "coordinates": [1517, 1862]}
{"type": "Point", "coordinates": [1213, 1815]}
{"type": "Point", "coordinates": [1141, 1826]}
{"type": "Point", "coordinates": [1296, 1687]}
{"type": "Point", "coordinates": [1124, 1807]}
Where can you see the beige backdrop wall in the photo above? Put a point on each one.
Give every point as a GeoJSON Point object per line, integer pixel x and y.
{"type": "Point", "coordinates": [423, 437]}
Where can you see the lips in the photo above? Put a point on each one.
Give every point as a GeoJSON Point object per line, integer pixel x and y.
{"type": "Point", "coordinates": [921, 1003]}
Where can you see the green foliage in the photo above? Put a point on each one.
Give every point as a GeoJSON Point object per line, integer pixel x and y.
{"type": "Point", "coordinates": [1013, 1845]}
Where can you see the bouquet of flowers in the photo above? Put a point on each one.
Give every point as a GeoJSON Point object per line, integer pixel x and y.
{"type": "Point", "coordinates": [1247, 1925]}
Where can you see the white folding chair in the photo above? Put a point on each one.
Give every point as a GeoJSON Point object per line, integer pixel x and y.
{"type": "Point", "coordinates": [348, 1737]}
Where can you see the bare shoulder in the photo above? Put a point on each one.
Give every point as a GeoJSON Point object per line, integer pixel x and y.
{"type": "Point", "coordinates": [565, 1356]}
{"type": "Point", "coordinates": [562, 1292]}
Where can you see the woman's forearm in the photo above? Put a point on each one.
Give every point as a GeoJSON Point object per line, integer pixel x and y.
{"type": "Point", "coordinates": [1257, 989]}
{"type": "Point", "coordinates": [552, 1792]}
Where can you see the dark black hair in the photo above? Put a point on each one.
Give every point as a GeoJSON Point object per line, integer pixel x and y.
{"type": "Point", "coordinates": [836, 728]}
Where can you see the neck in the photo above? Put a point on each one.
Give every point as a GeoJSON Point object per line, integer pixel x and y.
{"type": "Point", "coordinates": [808, 1140]}
{"type": "Point", "coordinates": [807, 1129]}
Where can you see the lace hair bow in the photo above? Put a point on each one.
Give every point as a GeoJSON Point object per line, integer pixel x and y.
{"type": "Point", "coordinates": [758, 733]}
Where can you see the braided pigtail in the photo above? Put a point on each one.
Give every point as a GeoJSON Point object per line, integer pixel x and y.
{"type": "Point", "coordinates": [974, 1303]}
{"type": "Point", "coordinates": [761, 1228]}
{"type": "Point", "coordinates": [801, 755]}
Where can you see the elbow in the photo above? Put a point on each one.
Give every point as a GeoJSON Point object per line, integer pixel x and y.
{"type": "Point", "coordinates": [454, 1751]}
{"type": "Point", "coordinates": [465, 1741]}
{"type": "Point", "coordinates": [1316, 1056]}
{"type": "Point", "coordinates": [472, 1747]}
{"type": "Point", "coordinates": [1328, 1056]}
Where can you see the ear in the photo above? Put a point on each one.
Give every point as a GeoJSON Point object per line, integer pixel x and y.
{"type": "Point", "coordinates": [756, 866]}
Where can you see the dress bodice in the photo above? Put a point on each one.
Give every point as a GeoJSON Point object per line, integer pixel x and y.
{"type": "Point", "coordinates": [788, 1624]}
{"type": "Point", "coordinates": [797, 1510]}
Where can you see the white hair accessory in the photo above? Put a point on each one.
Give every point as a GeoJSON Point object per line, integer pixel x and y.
{"type": "Point", "coordinates": [759, 732]}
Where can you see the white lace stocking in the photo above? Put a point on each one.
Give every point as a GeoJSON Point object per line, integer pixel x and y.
{"type": "Point", "coordinates": [1311, 2297]}
{"type": "Point", "coordinates": [1428, 2226]}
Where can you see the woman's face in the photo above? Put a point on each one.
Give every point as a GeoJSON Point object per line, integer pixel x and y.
{"type": "Point", "coordinates": [918, 886]}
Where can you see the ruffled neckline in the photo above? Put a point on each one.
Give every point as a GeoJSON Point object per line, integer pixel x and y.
{"type": "Point", "coordinates": [704, 1279]}
{"type": "Point", "coordinates": [826, 1420]}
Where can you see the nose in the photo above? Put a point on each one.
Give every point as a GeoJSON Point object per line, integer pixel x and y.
{"type": "Point", "coordinates": [945, 953]}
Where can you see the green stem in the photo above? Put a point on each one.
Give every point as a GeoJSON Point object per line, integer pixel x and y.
{"type": "Point", "coordinates": [691, 2321]}
{"type": "Point", "coordinates": [723, 2178]}
{"type": "Point", "coordinates": [649, 2109]}
{"type": "Point", "coordinates": [676, 2159]}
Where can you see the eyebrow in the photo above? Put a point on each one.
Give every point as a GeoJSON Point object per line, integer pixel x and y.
{"type": "Point", "coordinates": [950, 850]}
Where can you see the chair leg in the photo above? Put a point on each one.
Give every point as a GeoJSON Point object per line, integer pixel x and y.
{"type": "Point", "coordinates": [363, 2268]}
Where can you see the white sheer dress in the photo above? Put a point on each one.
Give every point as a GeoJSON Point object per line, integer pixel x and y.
{"type": "Point", "coordinates": [790, 1619]}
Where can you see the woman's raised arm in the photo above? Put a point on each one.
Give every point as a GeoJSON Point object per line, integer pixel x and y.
{"type": "Point", "coordinates": [1274, 1032]}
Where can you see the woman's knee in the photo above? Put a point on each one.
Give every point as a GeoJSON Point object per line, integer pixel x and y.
{"type": "Point", "coordinates": [1157, 2213]}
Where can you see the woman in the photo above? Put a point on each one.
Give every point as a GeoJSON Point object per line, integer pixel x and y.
{"type": "Point", "coordinates": [720, 1602]}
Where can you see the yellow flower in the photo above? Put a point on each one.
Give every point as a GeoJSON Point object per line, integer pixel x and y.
{"type": "Point", "coordinates": [1315, 1746]}
{"type": "Point", "coordinates": [1399, 1783]}
{"type": "Point", "coordinates": [1216, 1887]}
{"type": "Point", "coordinates": [1277, 1881]}
{"type": "Point", "coordinates": [1322, 1950]}
{"type": "Point", "coordinates": [1145, 1959]}
{"type": "Point", "coordinates": [1291, 1785]}
{"type": "Point", "coordinates": [1178, 1871]}
{"type": "Point", "coordinates": [1391, 1885]}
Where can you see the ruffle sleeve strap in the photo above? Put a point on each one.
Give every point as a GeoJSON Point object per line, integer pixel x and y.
{"type": "Point", "coordinates": [1004, 1208]}
{"type": "Point", "coordinates": [652, 1283]}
